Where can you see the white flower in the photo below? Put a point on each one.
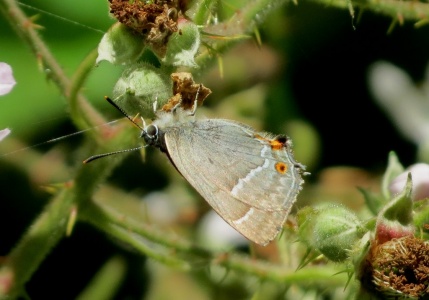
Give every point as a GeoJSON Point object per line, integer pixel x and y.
{"type": "Point", "coordinates": [215, 233]}
{"type": "Point", "coordinates": [7, 81]}
{"type": "Point", "coordinates": [406, 104]}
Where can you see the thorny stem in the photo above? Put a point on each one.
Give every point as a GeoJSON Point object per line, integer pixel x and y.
{"type": "Point", "coordinates": [138, 227]}
{"type": "Point", "coordinates": [240, 26]}
{"type": "Point", "coordinates": [255, 12]}
{"type": "Point", "coordinates": [408, 10]}
{"type": "Point", "coordinates": [80, 109]}
{"type": "Point", "coordinates": [50, 226]}
{"type": "Point", "coordinates": [99, 220]}
{"type": "Point", "coordinates": [24, 27]}
{"type": "Point", "coordinates": [180, 253]}
{"type": "Point", "coordinates": [42, 236]}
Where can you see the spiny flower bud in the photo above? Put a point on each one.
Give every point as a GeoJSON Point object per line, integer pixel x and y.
{"type": "Point", "coordinates": [140, 87]}
{"type": "Point", "coordinates": [120, 46]}
{"type": "Point", "coordinates": [183, 45]}
{"type": "Point", "coordinates": [331, 229]}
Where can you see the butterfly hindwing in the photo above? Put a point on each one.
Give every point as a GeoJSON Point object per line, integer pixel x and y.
{"type": "Point", "coordinates": [247, 179]}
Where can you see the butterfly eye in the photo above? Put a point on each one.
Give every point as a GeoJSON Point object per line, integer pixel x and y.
{"type": "Point", "coordinates": [152, 132]}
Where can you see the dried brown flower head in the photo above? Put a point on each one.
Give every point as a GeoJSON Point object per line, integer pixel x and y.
{"type": "Point", "coordinates": [154, 20]}
{"type": "Point", "coordinates": [185, 91]}
{"type": "Point", "coordinates": [398, 268]}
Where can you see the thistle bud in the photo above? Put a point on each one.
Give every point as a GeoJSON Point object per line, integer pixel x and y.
{"type": "Point", "coordinates": [333, 230]}
{"type": "Point", "coordinates": [140, 87]}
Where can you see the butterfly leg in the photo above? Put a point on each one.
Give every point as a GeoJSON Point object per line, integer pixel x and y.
{"type": "Point", "coordinates": [194, 107]}
{"type": "Point", "coordinates": [155, 105]}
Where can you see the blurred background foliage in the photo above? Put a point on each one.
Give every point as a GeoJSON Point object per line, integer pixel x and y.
{"type": "Point", "coordinates": [308, 79]}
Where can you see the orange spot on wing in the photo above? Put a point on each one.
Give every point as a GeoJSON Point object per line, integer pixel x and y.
{"type": "Point", "coordinates": [281, 167]}
{"type": "Point", "coordinates": [278, 143]}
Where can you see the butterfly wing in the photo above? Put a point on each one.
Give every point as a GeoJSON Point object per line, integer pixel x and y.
{"type": "Point", "coordinates": [250, 180]}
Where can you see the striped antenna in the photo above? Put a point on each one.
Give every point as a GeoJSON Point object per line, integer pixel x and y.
{"type": "Point", "coordinates": [94, 157]}
{"type": "Point", "coordinates": [122, 112]}
{"type": "Point", "coordinates": [54, 140]}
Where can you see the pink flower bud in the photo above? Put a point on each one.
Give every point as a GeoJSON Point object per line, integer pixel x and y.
{"type": "Point", "coordinates": [4, 133]}
{"type": "Point", "coordinates": [420, 176]}
{"type": "Point", "coordinates": [7, 82]}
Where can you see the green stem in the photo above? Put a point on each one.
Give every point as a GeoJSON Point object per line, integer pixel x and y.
{"type": "Point", "coordinates": [240, 26]}
{"type": "Point", "coordinates": [50, 226]}
{"type": "Point", "coordinates": [140, 235]}
{"type": "Point", "coordinates": [201, 10]}
{"type": "Point", "coordinates": [135, 234]}
{"type": "Point", "coordinates": [282, 274]}
{"type": "Point", "coordinates": [81, 111]}
{"type": "Point", "coordinates": [25, 28]}
{"type": "Point", "coordinates": [41, 237]}
{"type": "Point", "coordinates": [98, 219]}
{"type": "Point", "coordinates": [111, 216]}
{"type": "Point", "coordinates": [107, 281]}
{"type": "Point", "coordinates": [255, 12]}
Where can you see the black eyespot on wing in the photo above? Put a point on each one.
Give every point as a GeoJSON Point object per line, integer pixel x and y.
{"type": "Point", "coordinates": [281, 139]}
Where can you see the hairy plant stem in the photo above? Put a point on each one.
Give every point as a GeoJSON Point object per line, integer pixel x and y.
{"type": "Point", "coordinates": [406, 10]}
{"type": "Point", "coordinates": [253, 13]}
{"type": "Point", "coordinates": [26, 29]}
{"type": "Point", "coordinates": [180, 253]}
{"type": "Point", "coordinates": [51, 225]}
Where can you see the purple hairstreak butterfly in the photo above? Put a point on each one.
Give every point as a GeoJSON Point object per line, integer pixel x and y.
{"type": "Point", "coordinates": [249, 178]}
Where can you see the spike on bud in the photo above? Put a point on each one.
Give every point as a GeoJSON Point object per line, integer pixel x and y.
{"type": "Point", "coordinates": [395, 219]}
